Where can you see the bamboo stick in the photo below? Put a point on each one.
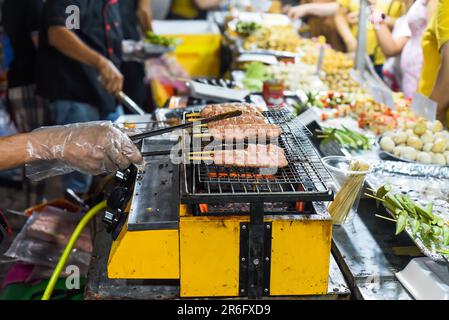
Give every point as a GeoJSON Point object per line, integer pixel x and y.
{"type": "Point", "coordinates": [345, 198]}
{"type": "Point", "coordinates": [201, 159]}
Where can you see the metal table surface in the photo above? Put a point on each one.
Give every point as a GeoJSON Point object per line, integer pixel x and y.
{"type": "Point", "coordinates": [369, 254]}
{"type": "Point", "coordinates": [100, 287]}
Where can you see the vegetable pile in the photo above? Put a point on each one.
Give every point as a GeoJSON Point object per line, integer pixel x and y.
{"type": "Point", "coordinates": [245, 29]}
{"type": "Point", "coordinates": [295, 76]}
{"type": "Point", "coordinates": [255, 75]}
{"type": "Point", "coordinates": [346, 138]}
{"type": "Point", "coordinates": [153, 38]}
{"type": "Point", "coordinates": [432, 230]}
{"type": "Point", "coordinates": [279, 38]}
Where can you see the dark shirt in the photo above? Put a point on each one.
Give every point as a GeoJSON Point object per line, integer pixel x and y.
{"type": "Point", "coordinates": [20, 19]}
{"type": "Point", "coordinates": [128, 10]}
{"type": "Point", "coordinates": [62, 78]}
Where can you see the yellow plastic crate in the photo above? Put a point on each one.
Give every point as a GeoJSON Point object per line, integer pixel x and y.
{"type": "Point", "coordinates": [199, 52]}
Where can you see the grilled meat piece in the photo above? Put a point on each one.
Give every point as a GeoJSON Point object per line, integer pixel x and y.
{"type": "Point", "coordinates": [246, 131]}
{"type": "Point", "coordinates": [255, 156]}
{"type": "Point", "coordinates": [250, 124]}
{"type": "Point", "coordinates": [246, 108]}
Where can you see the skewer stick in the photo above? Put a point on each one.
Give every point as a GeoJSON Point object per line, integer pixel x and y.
{"type": "Point", "coordinates": [202, 135]}
{"type": "Point", "coordinates": [201, 158]}
{"type": "Point", "coordinates": [194, 119]}
{"type": "Point", "coordinates": [193, 115]}
{"type": "Point", "coordinates": [202, 152]}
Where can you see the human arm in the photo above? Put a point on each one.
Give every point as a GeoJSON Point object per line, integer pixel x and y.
{"type": "Point", "coordinates": [144, 15]}
{"type": "Point", "coordinates": [70, 45]}
{"type": "Point", "coordinates": [93, 148]}
{"type": "Point", "coordinates": [207, 4]}
{"type": "Point", "coordinates": [392, 45]}
{"type": "Point", "coordinates": [388, 20]}
{"type": "Point", "coordinates": [439, 93]}
{"type": "Point", "coordinates": [431, 7]}
{"type": "Point", "coordinates": [313, 9]}
{"type": "Point", "coordinates": [344, 30]}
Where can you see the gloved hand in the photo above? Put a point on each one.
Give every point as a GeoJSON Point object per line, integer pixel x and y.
{"type": "Point", "coordinates": [92, 148]}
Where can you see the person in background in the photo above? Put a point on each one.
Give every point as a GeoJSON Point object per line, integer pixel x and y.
{"type": "Point", "coordinates": [320, 14]}
{"type": "Point", "coordinates": [136, 21]}
{"type": "Point", "coordinates": [434, 81]}
{"type": "Point", "coordinates": [160, 9]}
{"type": "Point", "coordinates": [78, 68]}
{"type": "Point", "coordinates": [346, 21]}
{"type": "Point", "coordinates": [192, 9]}
{"type": "Point", "coordinates": [21, 22]}
{"type": "Point", "coordinates": [405, 44]}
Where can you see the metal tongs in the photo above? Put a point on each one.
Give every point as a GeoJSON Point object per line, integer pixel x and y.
{"type": "Point", "coordinates": [159, 132]}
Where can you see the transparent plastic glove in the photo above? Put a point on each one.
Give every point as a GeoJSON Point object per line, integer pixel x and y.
{"type": "Point", "coordinates": [92, 148]}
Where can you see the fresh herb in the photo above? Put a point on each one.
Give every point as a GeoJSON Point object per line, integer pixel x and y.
{"type": "Point", "coordinates": [423, 224]}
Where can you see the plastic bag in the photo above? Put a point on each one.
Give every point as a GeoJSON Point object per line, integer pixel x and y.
{"type": "Point", "coordinates": [44, 236]}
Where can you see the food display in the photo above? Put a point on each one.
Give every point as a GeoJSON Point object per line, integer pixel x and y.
{"type": "Point", "coordinates": [340, 80]}
{"type": "Point", "coordinates": [333, 61]}
{"type": "Point", "coordinates": [294, 76]}
{"type": "Point", "coordinates": [379, 117]}
{"type": "Point", "coordinates": [331, 104]}
{"type": "Point", "coordinates": [244, 28]}
{"type": "Point", "coordinates": [277, 38]}
{"type": "Point", "coordinates": [255, 75]}
{"type": "Point", "coordinates": [423, 141]}
{"type": "Point", "coordinates": [159, 40]}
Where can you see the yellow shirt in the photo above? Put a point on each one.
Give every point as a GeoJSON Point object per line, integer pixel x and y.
{"type": "Point", "coordinates": [184, 8]}
{"type": "Point", "coordinates": [392, 8]}
{"type": "Point", "coordinates": [435, 36]}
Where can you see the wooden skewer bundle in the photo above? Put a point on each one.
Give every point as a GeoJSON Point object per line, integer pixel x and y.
{"type": "Point", "coordinates": [345, 198]}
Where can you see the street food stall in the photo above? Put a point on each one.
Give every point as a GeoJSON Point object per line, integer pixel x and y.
{"type": "Point", "coordinates": [221, 229]}
{"type": "Point", "coordinates": [295, 173]}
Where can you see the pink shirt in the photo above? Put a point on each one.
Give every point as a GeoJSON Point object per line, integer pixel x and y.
{"type": "Point", "coordinates": [412, 55]}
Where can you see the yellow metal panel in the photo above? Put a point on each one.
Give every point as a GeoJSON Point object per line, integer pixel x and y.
{"type": "Point", "coordinates": [183, 210]}
{"type": "Point", "coordinates": [150, 254]}
{"type": "Point", "coordinates": [210, 249]}
{"type": "Point", "coordinates": [300, 255]}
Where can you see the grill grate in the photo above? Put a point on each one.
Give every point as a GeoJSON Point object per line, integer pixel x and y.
{"type": "Point", "coordinates": [305, 175]}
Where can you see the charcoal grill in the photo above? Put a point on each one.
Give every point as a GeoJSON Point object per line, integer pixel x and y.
{"type": "Point", "coordinates": [304, 179]}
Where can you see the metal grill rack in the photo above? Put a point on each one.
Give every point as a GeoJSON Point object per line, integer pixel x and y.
{"type": "Point", "coordinates": [304, 179]}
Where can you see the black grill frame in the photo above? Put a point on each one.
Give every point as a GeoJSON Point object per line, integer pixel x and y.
{"type": "Point", "coordinates": [304, 179]}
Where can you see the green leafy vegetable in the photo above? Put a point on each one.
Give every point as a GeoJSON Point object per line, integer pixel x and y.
{"type": "Point", "coordinates": [423, 224]}
{"type": "Point", "coordinates": [255, 76]}
{"type": "Point", "coordinates": [247, 28]}
{"type": "Point", "coordinates": [346, 138]}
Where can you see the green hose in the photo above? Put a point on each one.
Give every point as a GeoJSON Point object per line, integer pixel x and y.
{"type": "Point", "coordinates": [68, 249]}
